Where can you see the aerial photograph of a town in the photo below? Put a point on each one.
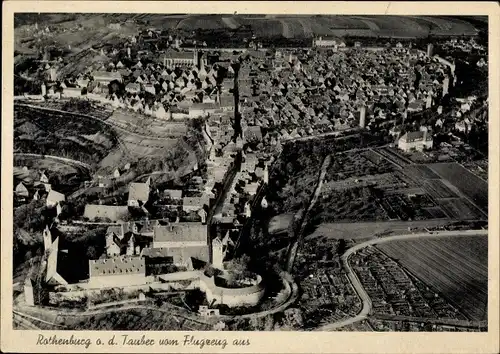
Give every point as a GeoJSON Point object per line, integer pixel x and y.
{"type": "Point", "coordinates": [250, 172]}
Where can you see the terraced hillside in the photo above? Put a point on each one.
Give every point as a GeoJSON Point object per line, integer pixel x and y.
{"type": "Point", "coordinates": [65, 135]}
{"type": "Point", "coordinates": [105, 146]}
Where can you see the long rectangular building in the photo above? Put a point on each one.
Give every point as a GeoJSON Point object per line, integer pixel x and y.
{"type": "Point", "coordinates": [117, 271]}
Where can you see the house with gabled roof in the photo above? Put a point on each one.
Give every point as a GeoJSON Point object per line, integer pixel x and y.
{"type": "Point", "coordinates": [160, 112]}
{"type": "Point", "coordinates": [180, 235]}
{"type": "Point", "coordinates": [54, 198]}
{"type": "Point", "coordinates": [21, 191]}
{"type": "Point", "coordinates": [138, 194]}
{"type": "Point", "coordinates": [194, 203]}
{"type": "Point", "coordinates": [43, 178]}
{"type": "Point", "coordinates": [419, 141]}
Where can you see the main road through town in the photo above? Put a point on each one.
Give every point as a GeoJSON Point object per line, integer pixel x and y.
{"type": "Point", "coordinates": [358, 287]}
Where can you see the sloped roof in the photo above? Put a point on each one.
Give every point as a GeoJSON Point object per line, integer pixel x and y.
{"type": "Point", "coordinates": [195, 201]}
{"type": "Point", "coordinates": [254, 132]}
{"type": "Point", "coordinates": [178, 253]}
{"type": "Point", "coordinates": [56, 196]}
{"type": "Point", "coordinates": [138, 191]}
{"type": "Point", "coordinates": [181, 232]}
{"type": "Point", "coordinates": [21, 188]}
{"type": "Point", "coordinates": [117, 266]}
{"type": "Point", "coordinates": [115, 229]}
{"type": "Point", "coordinates": [415, 136]}
{"type": "Point", "coordinates": [107, 75]}
{"type": "Point", "coordinates": [112, 212]}
{"type": "Point", "coordinates": [133, 86]}
{"type": "Point", "coordinates": [226, 101]}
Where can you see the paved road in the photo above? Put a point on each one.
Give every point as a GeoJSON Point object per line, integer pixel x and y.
{"type": "Point", "coordinates": [356, 283]}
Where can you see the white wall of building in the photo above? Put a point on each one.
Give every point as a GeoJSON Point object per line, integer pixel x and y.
{"type": "Point", "coordinates": [117, 280]}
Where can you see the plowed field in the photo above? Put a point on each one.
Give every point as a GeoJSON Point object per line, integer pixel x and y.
{"type": "Point", "coordinates": [456, 267]}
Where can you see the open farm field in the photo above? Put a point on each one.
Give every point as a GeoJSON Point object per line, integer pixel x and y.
{"type": "Point", "coordinates": [95, 25]}
{"type": "Point", "coordinates": [460, 209]}
{"type": "Point", "coordinates": [473, 187]}
{"type": "Point", "coordinates": [266, 27]}
{"type": "Point", "coordinates": [436, 212]}
{"type": "Point", "coordinates": [363, 230]}
{"type": "Point", "coordinates": [231, 22]}
{"type": "Point", "coordinates": [292, 28]}
{"type": "Point", "coordinates": [341, 22]}
{"type": "Point", "coordinates": [441, 25]}
{"type": "Point", "coordinates": [456, 267]}
{"type": "Point", "coordinates": [438, 189]}
{"type": "Point", "coordinates": [193, 22]}
{"type": "Point", "coordinates": [421, 171]}
{"type": "Point", "coordinates": [479, 168]}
